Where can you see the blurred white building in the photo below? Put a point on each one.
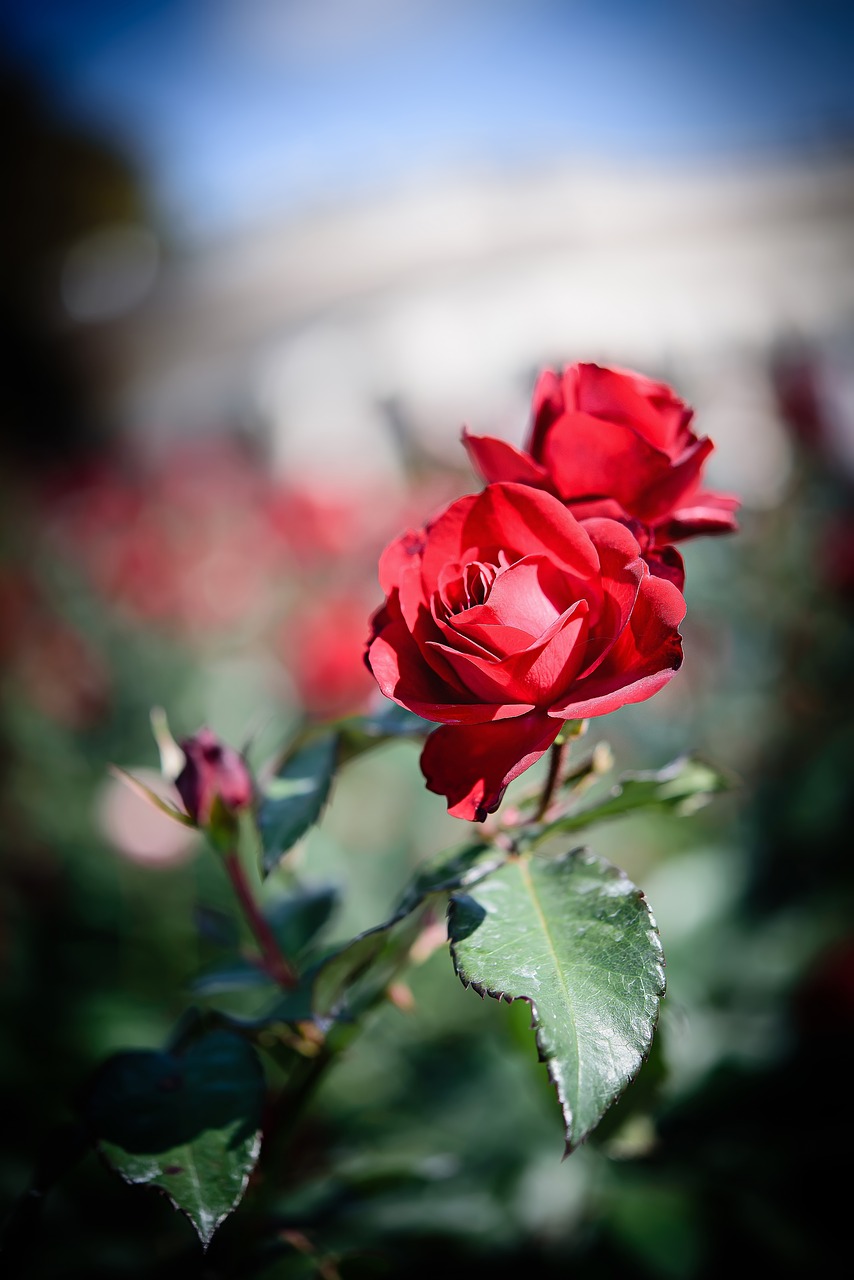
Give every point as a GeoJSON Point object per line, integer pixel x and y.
{"type": "Point", "coordinates": [340, 331]}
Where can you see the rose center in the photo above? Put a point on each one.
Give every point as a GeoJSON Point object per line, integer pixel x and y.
{"type": "Point", "coordinates": [468, 586]}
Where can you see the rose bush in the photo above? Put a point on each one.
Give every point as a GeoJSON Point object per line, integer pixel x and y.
{"type": "Point", "coordinates": [505, 617]}
{"type": "Point", "coordinates": [609, 442]}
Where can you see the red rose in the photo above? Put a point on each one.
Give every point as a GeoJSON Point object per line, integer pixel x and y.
{"type": "Point", "coordinates": [609, 442]}
{"type": "Point", "coordinates": [213, 772]}
{"type": "Point", "coordinates": [504, 618]}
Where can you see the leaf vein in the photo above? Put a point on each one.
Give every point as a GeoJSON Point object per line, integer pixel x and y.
{"type": "Point", "coordinates": [529, 884]}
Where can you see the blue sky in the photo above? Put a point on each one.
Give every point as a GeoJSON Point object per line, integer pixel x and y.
{"type": "Point", "coordinates": [237, 107]}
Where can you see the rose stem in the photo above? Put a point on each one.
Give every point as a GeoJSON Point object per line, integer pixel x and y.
{"type": "Point", "coordinates": [274, 962]}
{"type": "Point", "coordinates": [285, 1113]}
{"type": "Point", "coordinates": [555, 761]}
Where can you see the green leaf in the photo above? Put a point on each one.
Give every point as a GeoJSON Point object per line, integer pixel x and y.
{"type": "Point", "coordinates": [298, 917]}
{"type": "Point", "coordinates": [451, 869]}
{"type": "Point", "coordinates": [356, 974]}
{"type": "Point", "coordinates": [347, 980]}
{"type": "Point", "coordinates": [291, 1008]}
{"type": "Point", "coordinates": [686, 784]}
{"type": "Point", "coordinates": [362, 733]}
{"type": "Point", "coordinates": [187, 1123]}
{"type": "Point", "coordinates": [349, 977]}
{"type": "Point", "coordinates": [292, 801]}
{"type": "Point", "coordinates": [354, 977]}
{"type": "Point", "coordinates": [240, 975]}
{"type": "Point", "coordinates": [575, 938]}
{"type": "Point", "coordinates": [151, 797]}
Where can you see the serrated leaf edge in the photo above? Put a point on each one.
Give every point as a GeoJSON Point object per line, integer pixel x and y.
{"type": "Point", "coordinates": [253, 1150]}
{"type": "Point", "coordinates": [205, 1233]}
{"type": "Point", "coordinates": [542, 1055]}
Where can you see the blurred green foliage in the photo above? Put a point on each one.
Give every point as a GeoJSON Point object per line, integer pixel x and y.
{"type": "Point", "coordinates": [437, 1142]}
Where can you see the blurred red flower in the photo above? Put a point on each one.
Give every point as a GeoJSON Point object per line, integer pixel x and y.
{"type": "Point", "coordinates": [323, 647]}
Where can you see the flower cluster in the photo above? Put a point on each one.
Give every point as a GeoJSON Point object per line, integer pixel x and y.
{"type": "Point", "coordinates": [553, 595]}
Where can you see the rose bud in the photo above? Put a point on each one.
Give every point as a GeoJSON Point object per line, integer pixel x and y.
{"type": "Point", "coordinates": [609, 442]}
{"type": "Point", "coordinates": [506, 617]}
{"type": "Point", "coordinates": [214, 784]}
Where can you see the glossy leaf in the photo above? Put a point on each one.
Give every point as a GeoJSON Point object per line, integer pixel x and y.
{"type": "Point", "coordinates": [292, 801]}
{"type": "Point", "coordinates": [684, 785]}
{"type": "Point", "coordinates": [575, 938]}
{"type": "Point", "coordinates": [187, 1123]}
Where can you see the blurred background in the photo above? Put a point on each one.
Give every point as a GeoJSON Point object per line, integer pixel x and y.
{"type": "Point", "coordinates": [261, 260]}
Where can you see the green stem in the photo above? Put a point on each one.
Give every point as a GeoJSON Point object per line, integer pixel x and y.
{"type": "Point", "coordinates": [555, 762]}
{"type": "Point", "coordinates": [279, 969]}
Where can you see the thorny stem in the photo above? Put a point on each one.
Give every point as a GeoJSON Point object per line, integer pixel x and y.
{"type": "Point", "coordinates": [555, 762]}
{"type": "Point", "coordinates": [275, 963]}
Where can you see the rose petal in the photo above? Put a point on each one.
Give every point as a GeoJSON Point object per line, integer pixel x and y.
{"type": "Point", "coordinates": [700, 513]}
{"type": "Point", "coordinates": [495, 459]}
{"type": "Point", "coordinates": [585, 509]}
{"type": "Point", "coordinates": [643, 659]}
{"type": "Point", "coordinates": [522, 521]}
{"type": "Point", "coordinates": [621, 570]}
{"type": "Point", "coordinates": [550, 666]}
{"type": "Point", "coordinates": [529, 595]}
{"type": "Point", "coordinates": [588, 458]}
{"type": "Point", "coordinates": [443, 540]}
{"type": "Point", "coordinates": [397, 556]}
{"type": "Point", "coordinates": [534, 675]}
{"type": "Point", "coordinates": [622, 573]}
{"type": "Point", "coordinates": [615, 543]}
{"type": "Point", "coordinates": [402, 674]}
{"type": "Point", "coordinates": [548, 402]}
{"type": "Point", "coordinates": [620, 395]}
{"type": "Point", "coordinates": [666, 562]}
{"type": "Point", "coordinates": [488, 641]}
{"type": "Point", "coordinates": [668, 492]}
{"type": "Point", "coordinates": [472, 765]}
{"type": "Point", "coordinates": [418, 615]}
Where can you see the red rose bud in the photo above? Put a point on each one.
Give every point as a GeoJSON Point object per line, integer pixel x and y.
{"type": "Point", "coordinates": [506, 617]}
{"type": "Point", "coordinates": [214, 780]}
{"type": "Point", "coordinates": [609, 442]}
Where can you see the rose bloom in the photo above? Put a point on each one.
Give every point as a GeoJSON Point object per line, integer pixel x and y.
{"type": "Point", "coordinates": [609, 442]}
{"type": "Point", "coordinates": [504, 618]}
